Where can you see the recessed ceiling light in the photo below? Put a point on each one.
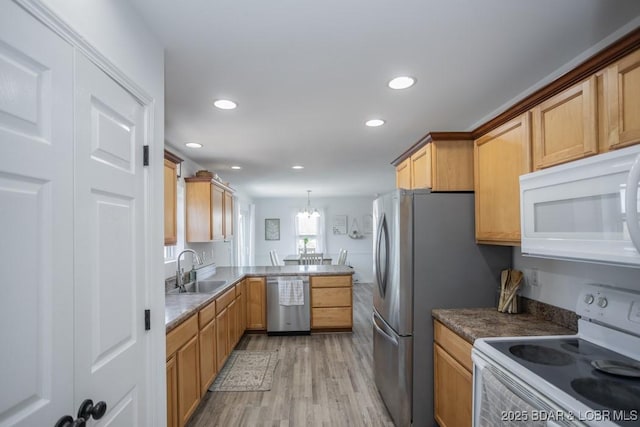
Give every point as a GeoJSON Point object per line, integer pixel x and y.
{"type": "Point", "coordinates": [236, 167]}
{"type": "Point", "coordinates": [402, 82]}
{"type": "Point", "coordinates": [297, 167]}
{"type": "Point", "coordinates": [225, 104]}
{"type": "Point", "coordinates": [193, 145]}
{"type": "Point", "coordinates": [374, 123]}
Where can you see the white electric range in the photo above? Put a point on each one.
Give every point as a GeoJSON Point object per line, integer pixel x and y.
{"type": "Point", "coordinates": [588, 379]}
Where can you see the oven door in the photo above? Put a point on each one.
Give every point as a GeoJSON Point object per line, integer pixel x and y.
{"type": "Point", "coordinates": [501, 399]}
{"type": "Point", "coordinates": [584, 210]}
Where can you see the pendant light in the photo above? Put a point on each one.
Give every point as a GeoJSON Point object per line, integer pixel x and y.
{"type": "Point", "coordinates": [307, 210]}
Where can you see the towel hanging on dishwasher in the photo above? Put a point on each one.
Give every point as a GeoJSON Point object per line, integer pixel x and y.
{"type": "Point", "coordinates": [290, 292]}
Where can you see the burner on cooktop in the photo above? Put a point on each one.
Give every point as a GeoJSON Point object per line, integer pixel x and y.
{"type": "Point", "coordinates": [614, 367]}
{"type": "Point", "coordinates": [611, 394]}
{"type": "Point", "coordinates": [540, 354]}
{"type": "Point", "coordinates": [574, 347]}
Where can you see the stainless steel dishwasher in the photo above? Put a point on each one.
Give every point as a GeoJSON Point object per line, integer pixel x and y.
{"type": "Point", "coordinates": [287, 319]}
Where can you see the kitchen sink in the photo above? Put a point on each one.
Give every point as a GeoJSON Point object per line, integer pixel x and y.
{"type": "Point", "coordinates": [206, 286]}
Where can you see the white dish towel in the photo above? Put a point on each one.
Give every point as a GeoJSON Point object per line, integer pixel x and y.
{"type": "Point", "coordinates": [290, 292]}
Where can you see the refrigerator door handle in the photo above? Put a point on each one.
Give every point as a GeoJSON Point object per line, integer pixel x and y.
{"type": "Point", "coordinates": [384, 330]}
{"type": "Point", "coordinates": [382, 239]}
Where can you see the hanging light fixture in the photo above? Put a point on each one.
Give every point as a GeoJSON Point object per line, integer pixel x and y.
{"type": "Point", "coordinates": [307, 210]}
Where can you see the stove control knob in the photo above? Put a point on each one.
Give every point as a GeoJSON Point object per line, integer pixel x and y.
{"type": "Point", "coordinates": [588, 299]}
{"type": "Point", "coordinates": [602, 302]}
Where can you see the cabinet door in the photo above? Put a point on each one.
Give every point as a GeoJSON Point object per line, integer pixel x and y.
{"type": "Point", "coordinates": [403, 174]}
{"type": "Point", "coordinates": [198, 211]}
{"type": "Point", "coordinates": [500, 158]}
{"type": "Point", "coordinates": [170, 203]}
{"type": "Point", "coordinates": [228, 215]}
{"type": "Point", "coordinates": [453, 390]}
{"type": "Point", "coordinates": [233, 324]}
{"type": "Point", "coordinates": [172, 392]}
{"type": "Point", "coordinates": [222, 337]}
{"type": "Point", "coordinates": [452, 165]}
{"type": "Point", "coordinates": [565, 126]}
{"type": "Point", "coordinates": [256, 303]}
{"type": "Point", "coordinates": [188, 358]}
{"type": "Point", "coordinates": [622, 96]}
{"type": "Point", "coordinates": [217, 212]}
{"type": "Point", "coordinates": [421, 168]}
{"type": "Point", "coordinates": [208, 363]}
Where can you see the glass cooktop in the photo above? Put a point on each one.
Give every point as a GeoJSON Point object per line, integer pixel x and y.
{"type": "Point", "coordinates": [599, 378]}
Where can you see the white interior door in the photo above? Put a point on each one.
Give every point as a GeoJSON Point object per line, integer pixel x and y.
{"type": "Point", "coordinates": [110, 340]}
{"type": "Point", "coordinates": [36, 221]}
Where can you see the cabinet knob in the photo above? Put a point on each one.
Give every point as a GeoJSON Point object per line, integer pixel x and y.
{"type": "Point", "coordinates": [588, 299]}
{"type": "Point", "coordinates": [88, 410]}
{"type": "Point", "coordinates": [602, 302]}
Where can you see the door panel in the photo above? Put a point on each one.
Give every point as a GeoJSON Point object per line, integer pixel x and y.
{"type": "Point", "coordinates": [36, 214]}
{"type": "Point", "coordinates": [109, 259]}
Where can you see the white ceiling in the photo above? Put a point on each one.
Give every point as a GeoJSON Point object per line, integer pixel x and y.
{"type": "Point", "coordinates": [307, 74]}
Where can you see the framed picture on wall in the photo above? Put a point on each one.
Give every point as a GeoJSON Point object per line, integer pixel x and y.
{"type": "Point", "coordinates": [272, 229]}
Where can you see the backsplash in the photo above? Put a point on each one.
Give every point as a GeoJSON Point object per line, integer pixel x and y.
{"type": "Point", "coordinates": [557, 315]}
{"type": "Point", "coordinates": [560, 282]}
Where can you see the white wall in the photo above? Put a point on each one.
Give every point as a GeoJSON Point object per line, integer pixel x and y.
{"type": "Point", "coordinates": [559, 282]}
{"type": "Point", "coordinates": [360, 251]}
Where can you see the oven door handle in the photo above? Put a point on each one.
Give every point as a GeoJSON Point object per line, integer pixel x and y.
{"type": "Point", "coordinates": [631, 203]}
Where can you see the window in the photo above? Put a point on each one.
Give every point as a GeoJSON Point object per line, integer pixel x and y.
{"type": "Point", "coordinates": [169, 253]}
{"type": "Point", "coordinates": [309, 228]}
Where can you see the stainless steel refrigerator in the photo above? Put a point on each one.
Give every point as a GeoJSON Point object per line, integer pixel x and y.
{"type": "Point", "coordinates": [425, 257]}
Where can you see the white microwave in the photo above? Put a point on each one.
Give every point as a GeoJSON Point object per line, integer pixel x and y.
{"type": "Point", "coordinates": [584, 210]}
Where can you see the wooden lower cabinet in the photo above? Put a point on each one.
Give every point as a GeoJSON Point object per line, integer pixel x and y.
{"type": "Point", "coordinates": [222, 337]}
{"type": "Point", "coordinates": [172, 392]}
{"type": "Point", "coordinates": [208, 362]}
{"type": "Point", "coordinates": [331, 302]}
{"type": "Point", "coordinates": [453, 378]}
{"type": "Point", "coordinates": [454, 389]}
{"type": "Point", "coordinates": [188, 361]}
{"type": "Point", "coordinates": [256, 290]}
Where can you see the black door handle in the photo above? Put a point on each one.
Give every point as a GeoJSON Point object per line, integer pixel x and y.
{"type": "Point", "coordinates": [68, 421]}
{"type": "Point", "coordinates": [88, 410]}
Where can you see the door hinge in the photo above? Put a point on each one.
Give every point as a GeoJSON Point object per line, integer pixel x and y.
{"type": "Point", "coordinates": [145, 155]}
{"type": "Point", "coordinates": [147, 320]}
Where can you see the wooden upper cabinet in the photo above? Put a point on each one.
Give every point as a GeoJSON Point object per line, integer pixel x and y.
{"type": "Point", "coordinates": [403, 174]}
{"type": "Point", "coordinates": [205, 210]}
{"type": "Point", "coordinates": [440, 164]}
{"type": "Point", "coordinates": [565, 127]}
{"type": "Point", "coordinates": [421, 168]}
{"type": "Point", "coordinates": [500, 157]}
{"type": "Point", "coordinates": [217, 212]}
{"type": "Point", "coordinates": [198, 210]}
{"type": "Point", "coordinates": [622, 96]}
{"type": "Point", "coordinates": [228, 215]}
{"type": "Point", "coordinates": [171, 163]}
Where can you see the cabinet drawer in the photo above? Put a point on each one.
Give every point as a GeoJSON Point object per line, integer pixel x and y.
{"type": "Point", "coordinates": [181, 334]}
{"type": "Point", "coordinates": [330, 281]}
{"type": "Point", "coordinates": [207, 314]}
{"type": "Point", "coordinates": [455, 345]}
{"type": "Point", "coordinates": [331, 297]}
{"type": "Point", "coordinates": [225, 299]}
{"type": "Point", "coordinates": [334, 317]}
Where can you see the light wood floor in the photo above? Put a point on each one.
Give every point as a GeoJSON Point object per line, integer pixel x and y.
{"type": "Point", "coordinates": [320, 380]}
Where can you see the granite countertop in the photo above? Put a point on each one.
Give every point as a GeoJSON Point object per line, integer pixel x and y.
{"type": "Point", "coordinates": [473, 323]}
{"type": "Point", "coordinates": [180, 306]}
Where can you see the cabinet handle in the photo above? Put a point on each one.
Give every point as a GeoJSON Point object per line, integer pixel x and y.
{"type": "Point", "coordinates": [68, 421]}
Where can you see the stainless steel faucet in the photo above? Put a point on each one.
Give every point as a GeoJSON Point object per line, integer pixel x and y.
{"type": "Point", "coordinates": [179, 281]}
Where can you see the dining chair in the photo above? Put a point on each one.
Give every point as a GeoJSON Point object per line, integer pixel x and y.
{"type": "Point", "coordinates": [342, 258]}
{"type": "Point", "coordinates": [311, 258]}
{"type": "Point", "coordinates": [274, 258]}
